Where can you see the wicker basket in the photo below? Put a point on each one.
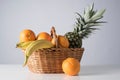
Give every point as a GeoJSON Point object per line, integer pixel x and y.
{"type": "Point", "coordinates": [50, 60]}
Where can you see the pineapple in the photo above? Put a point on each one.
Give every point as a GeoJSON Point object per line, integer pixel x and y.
{"type": "Point", "coordinates": [84, 26]}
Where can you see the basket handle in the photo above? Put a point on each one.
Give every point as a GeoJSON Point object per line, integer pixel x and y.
{"type": "Point", "coordinates": [54, 36]}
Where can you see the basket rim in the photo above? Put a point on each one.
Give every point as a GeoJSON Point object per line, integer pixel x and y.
{"type": "Point", "coordinates": [63, 48]}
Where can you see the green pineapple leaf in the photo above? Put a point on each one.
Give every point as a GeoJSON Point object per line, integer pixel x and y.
{"type": "Point", "coordinates": [98, 15]}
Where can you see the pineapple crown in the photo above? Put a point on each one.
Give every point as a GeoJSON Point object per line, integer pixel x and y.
{"type": "Point", "coordinates": [84, 25]}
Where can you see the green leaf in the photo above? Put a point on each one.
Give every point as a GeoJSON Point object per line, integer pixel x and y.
{"type": "Point", "coordinates": [79, 15]}
{"type": "Point", "coordinates": [92, 7]}
{"type": "Point", "coordinates": [100, 22]}
{"type": "Point", "coordinates": [98, 15]}
{"type": "Point", "coordinates": [85, 25]}
{"type": "Point", "coordinates": [88, 12]}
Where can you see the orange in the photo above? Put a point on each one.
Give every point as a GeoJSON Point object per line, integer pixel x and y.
{"type": "Point", "coordinates": [44, 35]}
{"type": "Point", "coordinates": [71, 66]}
{"type": "Point", "coordinates": [63, 41]}
{"type": "Point", "coordinates": [27, 35]}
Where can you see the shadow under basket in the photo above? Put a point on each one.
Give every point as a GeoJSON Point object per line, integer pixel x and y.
{"type": "Point", "coordinates": [50, 60]}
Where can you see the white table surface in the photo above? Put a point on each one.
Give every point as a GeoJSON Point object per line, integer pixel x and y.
{"type": "Point", "coordinates": [17, 72]}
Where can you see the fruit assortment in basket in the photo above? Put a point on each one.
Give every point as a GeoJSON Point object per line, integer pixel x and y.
{"type": "Point", "coordinates": [55, 49]}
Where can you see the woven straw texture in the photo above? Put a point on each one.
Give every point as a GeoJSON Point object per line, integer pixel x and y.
{"type": "Point", "coordinates": [50, 60]}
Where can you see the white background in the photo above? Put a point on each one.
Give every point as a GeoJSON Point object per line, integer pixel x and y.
{"type": "Point", "coordinates": [102, 47]}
